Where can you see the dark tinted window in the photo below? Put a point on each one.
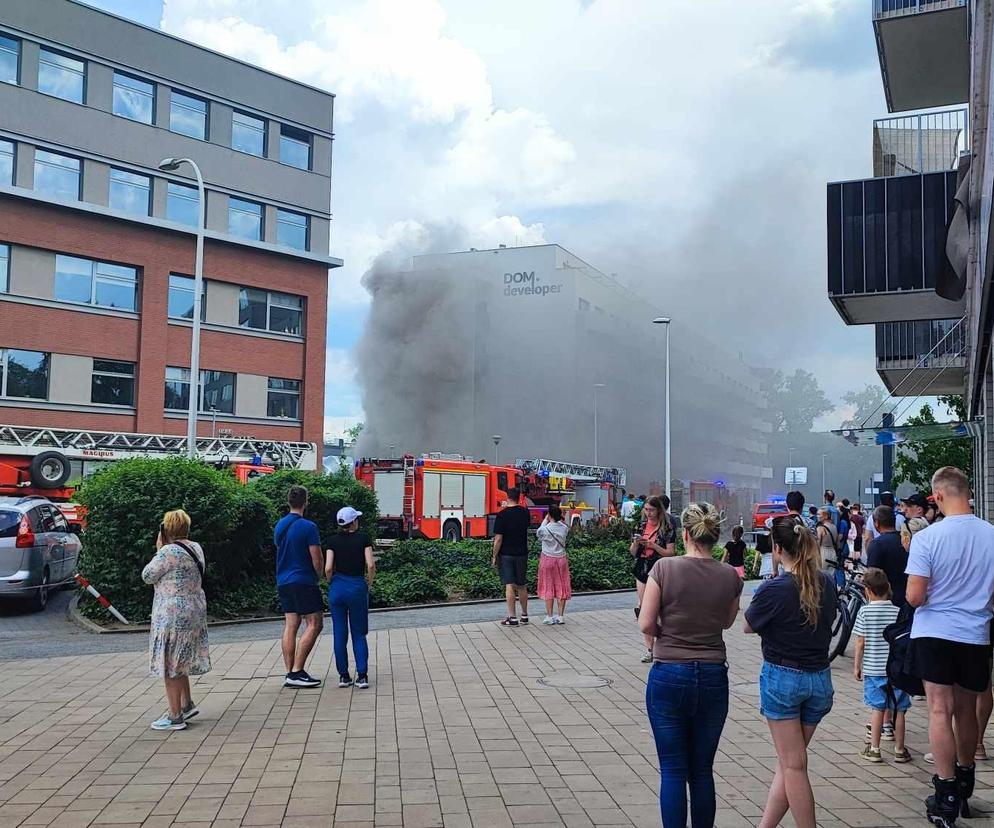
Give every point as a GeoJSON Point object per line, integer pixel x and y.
{"type": "Point", "coordinates": [9, 521]}
{"type": "Point", "coordinates": [60, 521]}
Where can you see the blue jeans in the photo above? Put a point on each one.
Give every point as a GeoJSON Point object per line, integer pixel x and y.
{"type": "Point", "coordinates": [348, 603]}
{"type": "Point", "coordinates": [687, 705]}
{"type": "Point", "coordinates": [786, 693]}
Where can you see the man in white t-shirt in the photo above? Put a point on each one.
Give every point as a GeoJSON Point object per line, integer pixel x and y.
{"type": "Point", "coordinates": [951, 583]}
{"type": "Point", "coordinates": [628, 507]}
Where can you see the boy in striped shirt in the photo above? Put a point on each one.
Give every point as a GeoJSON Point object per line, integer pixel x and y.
{"type": "Point", "coordinates": [870, 665]}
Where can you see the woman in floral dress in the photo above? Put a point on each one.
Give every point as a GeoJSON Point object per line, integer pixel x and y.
{"type": "Point", "coordinates": [177, 646]}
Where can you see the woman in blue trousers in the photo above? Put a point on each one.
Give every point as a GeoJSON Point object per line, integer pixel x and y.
{"type": "Point", "coordinates": [349, 568]}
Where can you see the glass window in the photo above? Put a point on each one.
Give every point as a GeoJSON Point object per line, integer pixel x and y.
{"type": "Point", "coordinates": [25, 374]}
{"type": "Point", "coordinates": [181, 297]}
{"type": "Point", "coordinates": [10, 50]}
{"type": "Point", "coordinates": [248, 134]}
{"type": "Point", "coordinates": [217, 390]}
{"type": "Point", "coordinates": [252, 308]}
{"type": "Point", "coordinates": [286, 313]}
{"type": "Point", "coordinates": [291, 229]}
{"type": "Point", "coordinates": [113, 383]}
{"type": "Point", "coordinates": [284, 398]}
{"type": "Point", "coordinates": [57, 175]}
{"type": "Point", "coordinates": [182, 204]}
{"type": "Point", "coordinates": [95, 283]}
{"type": "Point", "coordinates": [130, 192]}
{"type": "Point", "coordinates": [295, 148]}
{"type": "Point", "coordinates": [133, 98]}
{"type": "Point", "coordinates": [6, 162]}
{"type": "Point", "coordinates": [245, 219]}
{"type": "Point", "coordinates": [178, 389]}
{"type": "Point", "coordinates": [188, 115]}
{"type": "Point", "coordinates": [4, 268]}
{"type": "Point", "coordinates": [61, 76]}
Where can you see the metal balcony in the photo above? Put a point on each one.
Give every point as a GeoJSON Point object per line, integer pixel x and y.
{"type": "Point", "coordinates": [886, 246]}
{"type": "Point", "coordinates": [922, 357]}
{"type": "Point", "coordinates": [931, 142]}
{"type": "Point", "coordinates": [924, 50]}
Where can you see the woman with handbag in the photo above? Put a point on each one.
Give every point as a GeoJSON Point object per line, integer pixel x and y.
{"type": "Point", "coordinates": [554, 582]}
{"type": "Point", "coordinates": [654, 539]}
{"type": "Point", "coordinates": [177, 646]}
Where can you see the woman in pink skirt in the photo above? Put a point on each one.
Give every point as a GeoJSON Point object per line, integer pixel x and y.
{"type": "Point", "coordinates": [553, 566]}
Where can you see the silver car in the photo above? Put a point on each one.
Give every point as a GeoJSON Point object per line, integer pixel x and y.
{"type": "Point", "coordinates": [37, 550]}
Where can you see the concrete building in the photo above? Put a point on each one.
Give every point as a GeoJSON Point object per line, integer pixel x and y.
{"type": "Point", "coordinates": [527, 342]}
{"type": "Point", "coordinates": [97, 243]}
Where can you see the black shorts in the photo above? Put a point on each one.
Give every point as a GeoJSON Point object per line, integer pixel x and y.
{"type": "Point", "coordinates": [513, 569]}
{"type": "Point", "coordinates": [301, 599]}
{"type": "Point", "coordinates": [939, 661]}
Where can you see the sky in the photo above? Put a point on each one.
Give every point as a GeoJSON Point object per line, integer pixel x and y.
{"type": "Point", "coordinates": [683, 145]}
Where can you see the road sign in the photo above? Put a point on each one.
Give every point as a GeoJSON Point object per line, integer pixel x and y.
{"type": "Point", "coordinates": [795, 475]}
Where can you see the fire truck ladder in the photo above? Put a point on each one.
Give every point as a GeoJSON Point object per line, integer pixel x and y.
{"type": "Point", "coordinates": [578, 471]}
{"type": "Point", "coordinates": [408, 486]}
{"type": "Point", "coordinates": [82, 444]}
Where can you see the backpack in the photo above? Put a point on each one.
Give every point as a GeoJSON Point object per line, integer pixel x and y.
{"type": "Point", "coordinates": [898, 636]}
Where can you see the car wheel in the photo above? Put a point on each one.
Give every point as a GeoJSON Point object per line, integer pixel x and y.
{"type": "Point", "coordinates": [40, 599]}
{"type": "Point", "coordinates": [452, 531]}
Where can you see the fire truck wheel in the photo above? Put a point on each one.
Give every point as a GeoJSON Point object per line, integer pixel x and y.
{"type": "Point", "coordinates": [50, 470]}
{"type": "Point", "coordinates": [451, 531]}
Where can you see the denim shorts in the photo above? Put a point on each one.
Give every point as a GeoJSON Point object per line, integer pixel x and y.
{"type": "Point", "coordinates": [874, 695]}
{"type": "Point", "coordinates": [785, 693]}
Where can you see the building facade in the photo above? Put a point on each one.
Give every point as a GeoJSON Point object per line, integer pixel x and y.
{"type": "Point", "coordinates": [97, 243]}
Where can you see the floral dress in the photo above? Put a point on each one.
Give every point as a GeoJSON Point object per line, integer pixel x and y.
{"type": "Point", "coordinates": [178, 642]}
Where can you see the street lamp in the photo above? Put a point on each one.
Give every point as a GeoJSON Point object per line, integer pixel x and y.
{"type": "Point", "coordinates": [496, 438]}
{"type": "Point", "coordinates": [665, 320]}
{"type": "Point", "coordinates": [171, 165]}
{"type": "Point", "coordinates": [790, 465]}
{"type": "Point", "coordinates": [597, 385]}
{"type": "Point", "coordinates": [824, 487]}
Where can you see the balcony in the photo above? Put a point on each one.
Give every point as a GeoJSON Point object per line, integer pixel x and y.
{"type": "Point", "coordinates": [924, 50]}
{"type": "Point", "coordinates": [886, 246]}
{"type": "Point", "coordinates": [923, 357]}
{"type": "Point", "coordinates": [920, 143]}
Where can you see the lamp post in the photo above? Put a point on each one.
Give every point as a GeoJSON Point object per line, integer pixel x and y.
{"type": "Point", "coordinates": [665, 320]}
{"type": "Point", "coordinates": [597, 385]}
{"type": "Point", "coordinates": [171, 165]}
{"type": "Point", "coordinates": [824, 487]}
{"type": "Point", "coordinates": [790, 465]}
{"type": "Point", "coordinates": [496, 438]}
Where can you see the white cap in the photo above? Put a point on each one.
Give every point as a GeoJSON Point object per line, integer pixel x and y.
{"type": "Point", "coordinates": [347, 514]}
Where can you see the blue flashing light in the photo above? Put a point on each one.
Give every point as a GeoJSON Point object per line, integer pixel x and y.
{"type": "Point", "coordinates": [777, 498]}
{"type": "Point", "coordinates": [419, 462]}
{"type": "Point", "coordinates": [719, 483]}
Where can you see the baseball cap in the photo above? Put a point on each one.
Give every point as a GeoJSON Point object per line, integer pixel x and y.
{"type": "Point", "coordinates": [917, 499]}
{"type": "Point", "coordinates": [347, 514]}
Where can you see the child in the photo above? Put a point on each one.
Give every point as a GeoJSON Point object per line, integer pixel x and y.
{"type": "Point", "coordinates": [870, 665]}
{"type": "Point", "coordinates": [735, 551]}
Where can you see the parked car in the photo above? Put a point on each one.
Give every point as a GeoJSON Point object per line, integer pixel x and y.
{"type": "Point", "coordinates": [762, 512]}
{"type": "Point", "coordinates": [37, 550]}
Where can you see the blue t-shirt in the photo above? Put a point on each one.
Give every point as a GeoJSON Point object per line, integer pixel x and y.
{"type": "Point", "coordinates": [293, 553]}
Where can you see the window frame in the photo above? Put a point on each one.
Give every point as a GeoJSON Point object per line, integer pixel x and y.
{"type": "Point", "coordinates": [203, 298]}
{"type": "Point", "coordinates": [5, 372]}
{"type": "Point", "coordinates": [105, 372]}
{"type": "Point", "coordinates": [236, 113]}
{"type": "Point", "coordinates": [148, 190]}
{"type": "Point", "coordinates": [295, 393]}
{"type": "Point", "coordinates": [79, 171]}
{"type": "Point", "coordinates": [137, 79]}
{"type": "Point", "coordinates": [13, 159]}
{"type": "Point", "coordinates": [83, 73]}
{"type": "Point", "coordinates": [280, 212]}
{"type": "Point", "coordinates": [297, 136]}
{"type": "Point", "coordinates": [232, 200]}
{"type": "Point", "coordinates": [200, 388]}
{"type": "Point", "coordinates": [97, 278]}
{"type": "Point", "coordinates": [173, 94]}
{"type": "Point", "coordinates": [4, 267]}
{"type": "Point", "coordinates": [195, 201]}
{"type": "Point", "coordinates": [17, 50]}
{"type": "Point", "coordinates": [270, 304]}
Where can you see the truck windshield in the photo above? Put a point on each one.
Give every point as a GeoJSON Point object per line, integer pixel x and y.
{"type": "Point", "coordinates": [9, 521]}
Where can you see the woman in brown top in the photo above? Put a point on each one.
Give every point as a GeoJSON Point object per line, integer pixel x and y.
{"type": "Point", "coordinates": [687, 604]}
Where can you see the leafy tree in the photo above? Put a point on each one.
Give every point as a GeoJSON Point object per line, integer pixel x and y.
{"type": "Point", "coordinates": [868, 404]}
{"type": "Point", "coordinates": [352, 433]}
{"type": "Point", "coordinates": [795, 400]}
{"type": "Point", "coordinates": [916, 461]}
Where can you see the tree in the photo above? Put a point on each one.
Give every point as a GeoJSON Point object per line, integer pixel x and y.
{"type": "Point", "coordinates": [795, 400]}
{"type": "Point", "coordinates": [352, 433]}
{"type": "Point", "coordinates": [868, 404]}
{"type": "Point", "coordinates": [916, 461]}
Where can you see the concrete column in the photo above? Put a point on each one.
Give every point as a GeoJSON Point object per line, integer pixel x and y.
{"type": "Point", "coordinates": [24, 166]}
{"type": "Point", "coordinates": [319, 240]}
{"type": "Point", "coordinates": [150, 382]}
{"type": "Point", "coordinates": [29, 64]}
{"type": "Point", "coordinates": [163, 95]}
{"type": "Point", "coordinates": [159, 192]}
{"type": "Point", "coordinates": [96, 182]}
{"type": "Point", "coordinates": [220, 124]}
{"type": "Point", "coordinates": [321, 155]}
{"type": "Point", "coordinates": [273, 141]}
{"type": "Point", "coordinates": [99, 86]}
{"type": "Point", "coordinates": [269, 223]}
{"type": "Point", "coordinates": [217, 211]}
{"type": "Point", "coordinates": [251, 399]}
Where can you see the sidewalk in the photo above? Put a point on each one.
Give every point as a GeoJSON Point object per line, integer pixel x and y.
{"type": "Point", "coordinates": [457, 730]}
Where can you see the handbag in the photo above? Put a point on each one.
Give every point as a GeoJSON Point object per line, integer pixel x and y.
{"type": "Point", "coordinates": [190, 552]}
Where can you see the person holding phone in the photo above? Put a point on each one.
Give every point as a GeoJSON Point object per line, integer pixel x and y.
{"type": "Point", "coordinates": [654, 539]}
{"type": "Point", "coordinates": [178, 637]}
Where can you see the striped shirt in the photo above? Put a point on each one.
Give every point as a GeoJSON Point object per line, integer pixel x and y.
{"type": "Point", "coordinates": [870, 623]}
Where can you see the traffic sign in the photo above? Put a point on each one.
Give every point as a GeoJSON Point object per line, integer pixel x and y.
{"type": "Point", "coordinates": [795, 475]}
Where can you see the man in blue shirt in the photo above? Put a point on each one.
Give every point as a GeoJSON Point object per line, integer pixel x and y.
{"type": "Point", "coordinates": [298, 566]}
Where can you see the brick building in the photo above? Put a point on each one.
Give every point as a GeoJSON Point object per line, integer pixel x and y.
{"type": "Point", "coordinates": [97, 244]}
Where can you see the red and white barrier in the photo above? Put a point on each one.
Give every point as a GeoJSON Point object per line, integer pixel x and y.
{"type": "Point", "coordinates": [103, 601]}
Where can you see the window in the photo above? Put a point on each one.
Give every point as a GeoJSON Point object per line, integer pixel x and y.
{"type": "Point", "coordinates": [284, 398]}
{"type": "Point", "coordinates": [133, 98]}
{"type": "Point", "coordinates": [182, 204]}
{"type": "Point", "coordinates": [130, 192]}
{"type": "Point", "coordinates": [25, 374]}
{"type": "Point", "coordinates": [178, 389]}
{"type": "Point", "coordinates": [245, 219]}
{"type": "Point", "coordinates": [6, 162]}
{"type": "Point", "coordinates": [113, 383]}
{"type": "Point", "coordinates": [295, 148]}
{"type": "Point", "coordinates": [248, 134]}
{"type": "Point", "coordinates": [95, 283]}
{"type": "Point", "coordinates": [57, 175]}
{"type": "Point", "coordinates": [217, 390]}
{"type": "Point", "coordinates": [291, 229]}
{"type": "Point", "coordinates": [61, 76]}
{"type": "Point", "coordinates": [188, 115]}
{"type": "Point", "coordinates": [277, 312]}
{"type": "Point", "coordinates": [10, 51]}
{"type": "Point", "coordinates": [4, 268]}
{"type": "Point", "coordinates": [181, 297]}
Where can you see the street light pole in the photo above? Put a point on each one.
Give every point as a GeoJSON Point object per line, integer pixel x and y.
{"type": "Point", "coordinates": [496, 438]}
{"type": "Point", "coordinates": [665, 320]}
{"type": "Point", "coordinates": [171, 165]}
{"type": "Point", "coordinates": [597, 385]}
{"type": "Point", "coordinates": [824, 487]}
{"type": "Point", "coordinates": [790, 465]}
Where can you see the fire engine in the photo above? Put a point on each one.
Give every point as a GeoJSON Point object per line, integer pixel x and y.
{"type": "Point", "coordinates": [582, 491]}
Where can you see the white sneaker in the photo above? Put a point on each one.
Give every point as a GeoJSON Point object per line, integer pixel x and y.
{"type": "Point", "coordinates": [647, 658]}
{"type": "Point", "coordinates": [549, 620]}
{"type": "Point", "coordinates": [169, 723]}
{"type": "Point", "coordinates": [928, 757]}
{"type": "Point", "coordinates": [558, 619]}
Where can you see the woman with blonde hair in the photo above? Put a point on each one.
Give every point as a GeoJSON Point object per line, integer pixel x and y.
{"type": "Point", "coordinates": [178, 638]}
{"type": "Point", "coordinates": [793, 615]}
{"type": "Point", "coordinates": [687, 605]}
{"type": "Point", "coordinates": [910, 528]}
{"type": "Point", "coordinates": [654, 539]}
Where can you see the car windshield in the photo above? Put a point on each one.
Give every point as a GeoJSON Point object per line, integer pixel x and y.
{"type": "Point", "coordinates": [771, 508]}
{"type": "Point", "coordinates": [9, 521]}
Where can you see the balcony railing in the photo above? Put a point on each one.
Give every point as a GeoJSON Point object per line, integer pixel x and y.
{"type": "Point", "coordinates": [883, 9]}
{"type": "Point", "coordinates": [931, 342]}
{"type": "Point", "coordinates": [932, 142]}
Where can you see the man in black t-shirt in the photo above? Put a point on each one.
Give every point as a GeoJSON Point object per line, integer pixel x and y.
{"type": "Point", "coordinates": [511, 555]}
{"type": "Point", "coordinates": [886, 552]}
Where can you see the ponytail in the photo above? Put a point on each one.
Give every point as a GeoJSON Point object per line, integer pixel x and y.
{"type": "Point", "coordinates": [790, 533]}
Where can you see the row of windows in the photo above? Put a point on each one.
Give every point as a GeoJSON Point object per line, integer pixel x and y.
{"type": "Point", "coordinates": [25, 375]}
{"type": "Point", "coordinates": [61, 176]}
{"type": "Point", "coordinates": [64, 76]}
{"type": "Point", "coordinates": [261, 310]}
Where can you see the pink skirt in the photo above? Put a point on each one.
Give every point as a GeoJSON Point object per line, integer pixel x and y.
{"type": "Point", "coordinates": [553, 578]}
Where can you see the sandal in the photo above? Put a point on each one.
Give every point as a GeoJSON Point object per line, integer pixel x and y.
{"type": "Point", "coordinates": [524, 619]}
{"type": "Point", "coordinates": [510, 621]}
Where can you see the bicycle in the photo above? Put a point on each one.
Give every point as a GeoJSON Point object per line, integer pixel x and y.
{"type": "Point", "coordinates": [851, 600]}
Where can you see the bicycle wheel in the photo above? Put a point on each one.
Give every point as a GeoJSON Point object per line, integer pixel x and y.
{"type": "Point", "coordinates": [841, 631]}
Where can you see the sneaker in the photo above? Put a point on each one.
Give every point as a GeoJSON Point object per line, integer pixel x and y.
{"type": "Point", "coordinates": [871, 754]}
{"type": "Point", "coordinates": [647, 658]}
{"type": "Point", "coordinates": [345, 680]}
{"type": "Point", "coordinates": [558, 619]}
{"type": "Point", "coordinates": [928, 757]}
{"type": "Point", "coordinates": [167, 722]}
{"type": "Point", "coordinates": [902, 756]}
{"type": "Point", "coordinates": [510, 621]}
{"type": "Point", "coordinates": [524, 619]}
{"type": "Point", "coordinates": [301, 678]}
{"type": "Point", "coordinates": [549, 620]}
{"type": "Point", "coordinates": [887, 732]}
{"type": "Point", "coordinates": [190, 711]}
{"type": "Point", "coordinates": [362, 681]}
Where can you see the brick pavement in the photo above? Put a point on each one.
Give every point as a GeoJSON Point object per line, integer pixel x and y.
{"type": "Point", "coordinates": [456, 731]}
